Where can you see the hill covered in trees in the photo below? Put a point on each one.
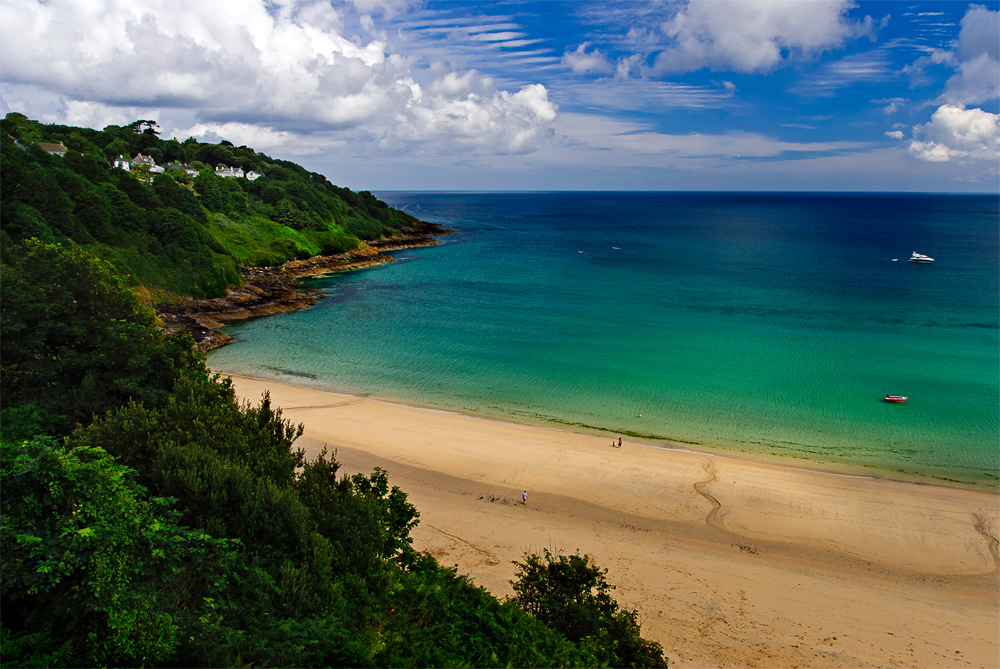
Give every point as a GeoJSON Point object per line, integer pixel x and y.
{"type": "Point", "coordinates": [149, 518]}
{"type": "Point", "coordinates": [176, 230]}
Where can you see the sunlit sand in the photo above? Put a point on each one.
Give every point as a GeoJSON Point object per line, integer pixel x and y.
{"type": "Point", "coordinates": [730, 562]}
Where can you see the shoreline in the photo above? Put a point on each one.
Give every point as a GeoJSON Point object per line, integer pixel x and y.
{"type": "Point", "coordinates": [271, 290]}
{"type": "Point", "coordinates": [729, 562]}
{"type": "Point", "coordinates": [791, 462]}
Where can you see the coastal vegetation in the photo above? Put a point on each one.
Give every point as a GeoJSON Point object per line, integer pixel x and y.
{"type": "Point", "coordinates": [165, 229]}
{"type": "Point", "coordinates": [150, 518]}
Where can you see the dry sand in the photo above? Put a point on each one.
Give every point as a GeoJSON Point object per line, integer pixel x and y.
{"type": "Point", "coordinates": [730, 563]}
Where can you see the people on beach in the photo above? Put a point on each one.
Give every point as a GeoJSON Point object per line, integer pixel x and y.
{"type": "Point", "coordinates": [619, 442]}
{"type": "Point", "coordinates": [524, 497]}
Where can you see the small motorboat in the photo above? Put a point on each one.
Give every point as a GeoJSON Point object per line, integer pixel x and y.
{"type": "Point", "coordinates": [920, 257]}
{"type": "Point", "coordinates": [895, 398]}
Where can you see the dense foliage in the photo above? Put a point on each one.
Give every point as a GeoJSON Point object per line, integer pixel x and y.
{"type": "Point", "coordinates": [95, 572]}
{"type": "Point", "coordinates": [572, 596]}
{"type": "Point", "coordinates": [182, 234]}
{"type": "Point", "coordinates": [149, 518]}
{"type": "Point", "coordinates": [76, 342]}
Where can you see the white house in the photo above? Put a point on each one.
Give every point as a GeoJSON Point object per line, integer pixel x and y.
{"type": "Point", "coordinates": [252, 176]}
{"type": "Point", "coordinates": [144, 160]}
{"type": "Point", "coordinates": [122, 163]}
{"type": "Point", "coordinates": [224, 171]}
{"type": "Point", "coordinates": [177, 166]}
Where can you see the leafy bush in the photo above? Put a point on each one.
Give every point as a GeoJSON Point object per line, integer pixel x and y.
{"type": "Point", "coordinates": [76, 341]}
{"type": "Point", "coordinates": [571, 595]}
{"type": "Point", "coordinates": [94, 572]}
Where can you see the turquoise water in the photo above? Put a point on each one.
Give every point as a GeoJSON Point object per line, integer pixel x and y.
{"type": "Point", "coordinates": [769, 325]}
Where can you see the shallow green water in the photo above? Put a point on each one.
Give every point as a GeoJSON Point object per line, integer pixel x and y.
{"type": "Point", "coordinates": [760, 324]}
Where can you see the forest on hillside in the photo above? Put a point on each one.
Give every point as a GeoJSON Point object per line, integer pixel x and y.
{"type": "Point", "coordinates": [179, 231]}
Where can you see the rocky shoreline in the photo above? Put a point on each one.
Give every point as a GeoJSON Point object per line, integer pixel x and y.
{"type": "Point", "coordinates": [271, 290]}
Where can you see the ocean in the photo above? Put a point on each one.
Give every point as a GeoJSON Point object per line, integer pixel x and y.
{"type": "Point", "coordinates": [764, 325]}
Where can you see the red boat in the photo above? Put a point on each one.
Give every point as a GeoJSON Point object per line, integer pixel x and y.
{"type": "Point", "coordinates": [895, 398]}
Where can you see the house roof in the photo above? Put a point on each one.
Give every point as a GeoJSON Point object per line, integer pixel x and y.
{"type": "Point", "coordinates": [52, 148]}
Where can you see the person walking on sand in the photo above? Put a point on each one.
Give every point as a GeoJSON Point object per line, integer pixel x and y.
{"type": "Point", "coordinates": [524, 497]}
{"type": "Point", "coordinates": [619, 442]}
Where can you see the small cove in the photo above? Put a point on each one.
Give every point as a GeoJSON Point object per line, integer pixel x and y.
{"type": "Point", "coordinates": [762, 325]}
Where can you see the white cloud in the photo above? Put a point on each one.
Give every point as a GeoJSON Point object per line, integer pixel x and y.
{"type": "Point", "coordinates": [752, 35]}
{"type": "Point", "coordinates": [502, 122]}
{"type": "Point", "coordinates": [581, 62]}
{"type": "Point", "coordinates": [260, 138]}
{"type": "Point", "coordinates": [630, 140]}
{"type": "Point", "coordinates": [954, 132]}
{"type": "Point", "coordinates": [976, 81]}
{"type": "Point", "coordinates": [892, 105]}
{"type": "Point", "coordinates": [496, 37]}
{"type": "Point", "coordinates": [895, 134]}
{"type": "Point", "coordinates": [979, 33]}
{"type": "Point", "coordinates": [643, 94]}
{"type": "Point", "coordinates": [282, 66]}
{"type": "Point", "coordinates": [388, 7]}
{"type": "Point", "coordinates": [452, 85]}
{"type": "Point", "coordinates": [978, 56]}
{"type": "Point", "coordinates": [869, 68]}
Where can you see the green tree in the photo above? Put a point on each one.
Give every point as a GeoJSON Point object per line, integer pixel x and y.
{"type": "Point", "coordinates": [288, 214]}
{"type": "Point", "coordinates": [572, 596]}
{"type": "Point", "coordinates": [119, 147]}
{"type": "Point", "coordinates": [94, 572]}
{"type": "Point", "coordinates": [22, 127]}
{"type": "Point", "coordinates": [212, 191]}
{"type": "Point", "coordinates": [439, 618]}
{"type": "Point", "coordinates": [172, 194]}
{"type": "Point", "coordinates": [76, 341]}
{"type": "Point", "coordinates": [229, 465]}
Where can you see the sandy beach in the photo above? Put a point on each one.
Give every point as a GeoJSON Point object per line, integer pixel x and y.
{"type": "Point", "coordinates": [730, 563]}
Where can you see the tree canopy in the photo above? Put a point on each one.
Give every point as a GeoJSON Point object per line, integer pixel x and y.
{"type": "Point", "coordinates": [572, 595]}
{"type": "Point", "coordinates": [170, 231]}
{"type": "Point", "coordinates": [76, 341]}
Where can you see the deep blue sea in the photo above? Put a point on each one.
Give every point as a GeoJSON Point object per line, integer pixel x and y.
{"type": "Point", "coordinates": [764, 325]}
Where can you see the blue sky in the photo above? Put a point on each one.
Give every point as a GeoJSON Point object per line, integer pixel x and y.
{"type": "Point", "coordinates": [653, 95]}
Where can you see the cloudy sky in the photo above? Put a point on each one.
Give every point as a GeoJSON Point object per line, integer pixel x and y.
{"type": "Point", "coordinates": [510, 95]}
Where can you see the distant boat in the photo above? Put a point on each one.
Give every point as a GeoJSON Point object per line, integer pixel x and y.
{"type": "Point", "coordinates": [920, 257]}
{"type": "Point", "coordinates": [895, 398]}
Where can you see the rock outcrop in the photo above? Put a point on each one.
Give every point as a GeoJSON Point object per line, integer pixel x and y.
{"type": "Point", "coordinates": [271, 290]}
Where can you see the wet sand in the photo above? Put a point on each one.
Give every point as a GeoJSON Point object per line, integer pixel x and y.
{"type": "Point", "coordinates": [731, 563]}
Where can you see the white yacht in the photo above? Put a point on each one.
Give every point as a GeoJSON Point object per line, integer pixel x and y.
{"type": "Point", "coordinates": [920, 257]}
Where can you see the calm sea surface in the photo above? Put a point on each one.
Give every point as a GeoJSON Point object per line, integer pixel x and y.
{"type": "Point", "coordinates": [766, 325]}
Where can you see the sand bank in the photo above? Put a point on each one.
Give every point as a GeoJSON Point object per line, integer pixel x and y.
{"type": "Point", "coordinates": [731, 563]}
